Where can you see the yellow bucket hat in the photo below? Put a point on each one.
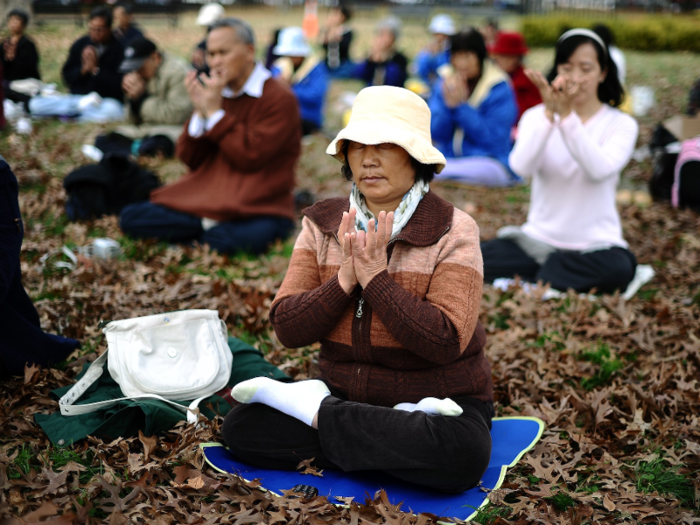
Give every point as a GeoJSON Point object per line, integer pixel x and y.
{"type": "Point", "coordinates": [386, 114]}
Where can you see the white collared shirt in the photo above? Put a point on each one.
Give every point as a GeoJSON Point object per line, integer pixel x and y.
{"type": "Point", "coordinates": [252, 87]}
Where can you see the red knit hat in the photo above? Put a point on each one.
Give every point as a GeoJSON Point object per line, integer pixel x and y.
{"type": "Point", "coordinates": [509, 44]}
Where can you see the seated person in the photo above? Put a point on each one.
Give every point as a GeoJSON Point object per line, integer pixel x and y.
{"type": "Point", "coordinates": [157, 102]}
{"type": "Point", "coordinates": [508, 53]}
{"type": "Point", "coordinates": [574, 147]}
{"type": "Point", "coordinates": [396, 312]}
{"type": "Point", "coordinates": [20, 59]}
{"type": "Point", "coordinates": [474, 109]}
{"type": "Point", "coordinates": [92, 68]}
{"type": "Point", "coordinates": [336, 38]}
{"type": "Point", "coordinates": [23, 341]}
{"type": "Point", "coordinates": [490, 31]}
{"type": "Point", "coordinates": [306, 74]}
{"type": "Point", "coordinates": [437, 53]}
{"type": "Point", "coordinates": [385, 66]}
{"type": "Point", "coordinates": [208, 14]}
{"type": "Point", "coordinates": [126, 30]}
{"type": "Point", "coordinates": [241, 145]}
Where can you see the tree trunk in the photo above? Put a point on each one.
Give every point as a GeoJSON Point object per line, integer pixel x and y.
{"type": "Point", "coordinates": [7, 5]}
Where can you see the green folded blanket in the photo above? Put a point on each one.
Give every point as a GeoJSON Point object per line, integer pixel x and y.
{"type": "Point", "coordinates": [150, 416]}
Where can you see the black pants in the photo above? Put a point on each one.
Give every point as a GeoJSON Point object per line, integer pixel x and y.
{"type": "Point", "coordinates": [449, 454]}
{"type": "Point", "coordinates": [605, 270]}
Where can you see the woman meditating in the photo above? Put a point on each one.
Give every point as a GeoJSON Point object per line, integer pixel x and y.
{"type": "Point", "coordinates": [574, 147]}
{"type": "Point", "coordinates": [389, 281]}
{"type": "Point", "coordinates": [474, 110]}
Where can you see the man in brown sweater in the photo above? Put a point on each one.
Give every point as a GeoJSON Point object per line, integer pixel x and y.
{"type": "Point", "coordinates": [241, 144]}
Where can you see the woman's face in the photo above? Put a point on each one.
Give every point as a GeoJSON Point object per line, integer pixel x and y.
{"type": "Point", "coordinates": [15, 25]}
{"type": "Point", "coordinates": [583, 67]}
{"type": "Point", "coordinates": [383, 173]}
{"type": "Point", "coordinates": [466, 65]}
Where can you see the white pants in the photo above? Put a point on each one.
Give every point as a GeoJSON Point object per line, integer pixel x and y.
{"type": "Point", "coordinates": [67, 106]}
{"type": "Point", "coordinates": [476, 171]}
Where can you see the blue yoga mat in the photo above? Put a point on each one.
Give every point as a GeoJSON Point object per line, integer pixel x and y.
{"type": "Point", "coordinates": [512, 437]}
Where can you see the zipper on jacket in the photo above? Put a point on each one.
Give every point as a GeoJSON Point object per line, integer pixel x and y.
{"type": "Point", "coordinates": [358, 313]}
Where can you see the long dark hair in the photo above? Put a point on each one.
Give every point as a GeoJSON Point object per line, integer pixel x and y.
{"type": "Point", "coordinates": [610, 91]}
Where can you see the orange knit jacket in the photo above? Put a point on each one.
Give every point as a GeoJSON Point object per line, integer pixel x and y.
{"type": "Point", "coordinates": [417, 333]}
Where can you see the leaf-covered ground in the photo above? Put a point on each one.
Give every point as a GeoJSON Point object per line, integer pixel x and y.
{"type": "Point", "coordinates": [617, 383]}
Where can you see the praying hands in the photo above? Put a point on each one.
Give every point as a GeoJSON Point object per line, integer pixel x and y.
{"type": "Point", "coordinates": [558, 96]}
{"type": "Point", "coordinates": [205, 91]}
{"type": "Point", "coordinates": [364, 254]}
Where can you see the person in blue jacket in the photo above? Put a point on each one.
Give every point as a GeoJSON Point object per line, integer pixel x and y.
{"type": "Point", "coordinates": [306, 74]}
{"type": "Point", "coordinates": [437, 53]}
{"type": "Point", "coordinates": [473, 110]}
{"type": "Point", "coordinates": [385, 65]}
{"type": "Point", "coordinates": [22, 340]}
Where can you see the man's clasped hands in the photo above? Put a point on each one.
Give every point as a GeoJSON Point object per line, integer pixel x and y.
{"type": "Point", "coordinates": [364, 253]}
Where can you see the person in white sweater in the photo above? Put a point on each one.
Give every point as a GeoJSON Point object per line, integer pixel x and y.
{"type": "Point", "coordinates": [573, 146]}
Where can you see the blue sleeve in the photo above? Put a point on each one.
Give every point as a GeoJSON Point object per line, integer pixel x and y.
{"type": "Point", "coordinates": [490, 124]}
{"type": "Point", "coordinates": [395, 73]}
{"type": "Point", "coordinates": [275, 71]}
{"type": "Point", "coordinates": [425, 65]}
{"type": "Point", "coordinates": [442, 127]}
{"type": "Point", "coordinates": [312, 90]}
{"type": "Point", "coordinates": [364, 71]}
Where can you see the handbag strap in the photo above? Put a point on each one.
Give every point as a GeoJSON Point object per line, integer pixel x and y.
{"type": "Point", "coordinates": [93, 374]}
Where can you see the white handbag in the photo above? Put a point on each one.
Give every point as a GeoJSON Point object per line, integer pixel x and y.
{"type": "Point", "coordinates": [175, 356]}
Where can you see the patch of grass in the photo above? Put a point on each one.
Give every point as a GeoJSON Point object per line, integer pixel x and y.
{"type": "Point", "coordinates": [659, 476]}
{"type": "Point", "coordinates": [607, 366]}
{"type": "Point", "coordinates": [649, 294]}
{"type": "Point", "coordinates": [561, 501]}
{"type": "Point", "coordinates": [550, 338]}
{"type": "Point", "coordinates": [489, 513]}
{"type": "Point", "coordinates": [61, 456]}
{"type": "Point", "coordinates": [22, 463]}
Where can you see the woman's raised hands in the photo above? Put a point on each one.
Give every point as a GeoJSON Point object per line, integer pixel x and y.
{"type": "Point", "coordinates": [369, 249]}
{"type": "Point", "coordinates": [346, 274]}
{"type": "Point", "coordinates": [557, 96]}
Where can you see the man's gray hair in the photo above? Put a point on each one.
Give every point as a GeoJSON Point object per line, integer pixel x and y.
{"type": "Point", "coordinates": [242, 29]}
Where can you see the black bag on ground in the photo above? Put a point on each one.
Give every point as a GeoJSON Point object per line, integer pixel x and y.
{"type": "Point", "coordinates": [105, 188]}
{"type": "Point", "coordinates": [149, 146]}
{"type": "Point", "coordinates": [664, 163]}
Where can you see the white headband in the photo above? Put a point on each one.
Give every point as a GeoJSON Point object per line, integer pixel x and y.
{"type": "Point", "coordinates": [584, 32]}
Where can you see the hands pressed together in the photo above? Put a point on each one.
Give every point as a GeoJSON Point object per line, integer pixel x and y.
{"type": "Point", "coordinates": [558, 96]}
{"type": "Point", "coordinates": [89, 60]}
{"type": "Point", "coordinates": [364, 254]}
{"type": "Point", "coordinates": [205, 91]}
{"type": "Point", "coordinates": [133, 85]}
{"type": "Point", "coordinates": [454, 91]}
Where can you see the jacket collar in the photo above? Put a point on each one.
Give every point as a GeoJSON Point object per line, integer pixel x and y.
{"type": "Point", "coordinates": [430, 221]}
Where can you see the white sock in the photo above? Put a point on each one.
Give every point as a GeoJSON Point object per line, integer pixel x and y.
{"type": "Point", "coordinates": [433, 406]}
{"type": "Point", "coordinates": [300, 400]}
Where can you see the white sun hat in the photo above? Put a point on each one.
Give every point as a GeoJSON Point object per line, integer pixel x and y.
{"type": "Point", "coordinates": [394, 115]}
{"type": "Point", "coordinates": [209, 14]}
{"type": "Point", "coordinates": [292, 43]}
{"type": "Point", "coordinates": [442, 24]}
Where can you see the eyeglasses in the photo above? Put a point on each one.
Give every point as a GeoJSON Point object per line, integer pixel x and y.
{"type": "Point", "coordinates": [97, 29]}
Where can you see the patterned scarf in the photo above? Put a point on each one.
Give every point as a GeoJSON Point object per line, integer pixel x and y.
{"type": "Point", "coordinates": [402, 214]}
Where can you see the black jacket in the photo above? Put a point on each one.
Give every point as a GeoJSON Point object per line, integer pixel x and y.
{"type": "Point", "coordinates": [25, 63]}
{"type": "Point", "coordinates": [22, 339]}
{"type": "Point", "coordinates": [108, 82]}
